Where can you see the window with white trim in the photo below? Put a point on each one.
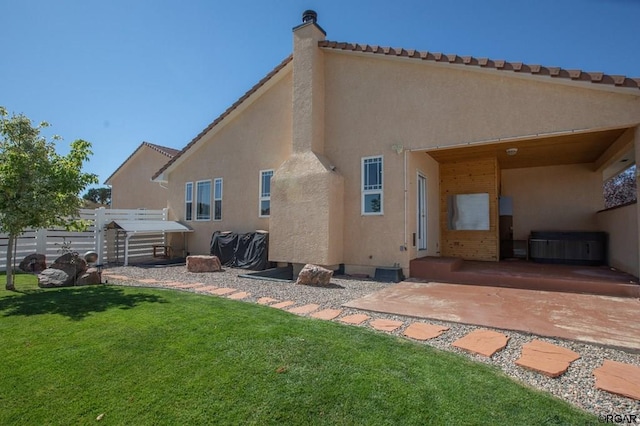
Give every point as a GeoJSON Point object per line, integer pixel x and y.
{"type": "Point", "coordinates": [372, 184]}
{"type": "Point", "coordinates": [217, 199]}
{"type": "Point", "coordinates": [203, 200]}
{"type": "Point", "coordinates": [188, 201]}
{"type": "Point", "coordinates": [265, 193]}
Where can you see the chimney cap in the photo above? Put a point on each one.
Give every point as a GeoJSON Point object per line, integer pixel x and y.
{"type": "Point", "coordinates": [309, 16]}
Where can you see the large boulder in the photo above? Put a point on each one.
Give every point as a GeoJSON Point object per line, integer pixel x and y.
{"type": "Point", "coordinates": [64, 272]}
{"type": "Point", "coordinates": [71, 263]}
{"type": "Point", "coordinates": [33, 263]}
{"type": "Point", "coordinates": [201, 263]}
{"type": "Point", "coordinates": [314, 275]}
{"type": "Point", "coordinates": [51, 277]}
{"type": "Point", "coordinates": [91, 276]}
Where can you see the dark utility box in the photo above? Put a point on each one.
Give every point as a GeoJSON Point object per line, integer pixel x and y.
{"type": "Point", "coordinates": [392, 275]}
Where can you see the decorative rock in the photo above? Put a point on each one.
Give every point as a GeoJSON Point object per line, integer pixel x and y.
{"type": "Point", "coordinates": [423, 331]}
{"type": "Point", "coordinates": [92, 276]}
{"type": "Point", "coordinates": [34, 263]}
{"type": "Point", "coordinates": [314, 275]}
{"type": "Point", "coordinates": [54, 278]}
{"type": "Point", "coordinates": [483, 342]}
{"type": "Point", "coordinates": [550, 360]}
{"type": "Point", "coordinates": [201, 263]}
{"type": "Point", "coordinates": [619, 378]}
{"type": "Point", "coordinates": [71, 263]}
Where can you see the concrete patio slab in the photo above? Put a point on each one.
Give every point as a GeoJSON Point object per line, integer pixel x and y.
{"type": "Point", "coordinates": [546, 358]}
{"type": "Point", "coordinates": [424, 331]}
{"type": "Point", "coordinates": [381, 324]}
{"type": "Point", "coordinates": [619, 378]}
{"type": "Point", "coordinates": [327, 314]}
{"type": "Point", "coordinates": [605, 320]}
{"type": "Point", "coordinates": [304, 309]}
{"type": "Point", "coordinates": [483, 342]}
{"type": "Point", "coordinates": [354, 319]}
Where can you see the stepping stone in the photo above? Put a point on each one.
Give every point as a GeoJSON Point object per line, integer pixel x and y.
{"type": "Point", "coordinates": [619, 378]}
{"type": "Point", "coordinates": [174, 284]}
{"type": "Point", "coordinates": [327, 314]}
{"type": "Point", "coordinates": [195, 285]}
{"type": "Point", "coordinates": [266, 300]}
{"type": "Point", "coordinates": [148, 281]}
{"type": "Point", "coordinates": [284, 304]}
{"type": "Point", "coordinates": [550, 360]}
{"type": "Point", "coordinates": [118, 277]}
{"type": "Point", "coordinates": [239, 295]}
{"type": "Point", "coordinates": [355, 319]}
{"type": "Point", "coordinates": [483, 342]}
{"type": "Point", "coordinates": [424, 331]}
{"type": "Point", "coordinates": [222, 291]}
{"type": "Point", "coordinates": [385, 324]}
{"type": "Point", "coordinates": [305, 309]}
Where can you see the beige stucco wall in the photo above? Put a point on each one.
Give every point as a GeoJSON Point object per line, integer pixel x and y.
{"type": "Point", "coordinates": [555, 198]}
{"type": "Point", "coordinates": [131, 186]}
{"type": "Point", "coordinates": [621, 224]}
{"type": "Point", "coordinates": [375, 102]}
{"type": "Point", "coordinates": [256, 139]}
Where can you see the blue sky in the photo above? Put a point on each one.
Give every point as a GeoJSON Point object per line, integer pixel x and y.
{"type": "Point", "coordinates": [120, 72]}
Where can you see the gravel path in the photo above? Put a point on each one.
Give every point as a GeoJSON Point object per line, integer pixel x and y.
{"type": "Point", "coordinates": [576, 386]}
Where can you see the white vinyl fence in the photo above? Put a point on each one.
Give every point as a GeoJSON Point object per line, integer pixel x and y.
{"type": "Point", "coordinates": [109, 244]}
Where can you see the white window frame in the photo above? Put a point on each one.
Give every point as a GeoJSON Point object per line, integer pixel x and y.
{"type": "Point", "coordinates": [197, 218]}
{"type": "Point", "coordinates": [217, 197]}
{"type": "Point", "coordinates": [262, 196]}
{"type": "Point", "coordinates": [371, 191]}
{"type": "Point", "coordinates": [188, 201]}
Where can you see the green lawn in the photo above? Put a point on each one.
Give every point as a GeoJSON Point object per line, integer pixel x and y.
{"type": "Point", "coordinates": [149, 356]}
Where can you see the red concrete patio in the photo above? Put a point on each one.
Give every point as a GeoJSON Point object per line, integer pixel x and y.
{"type": "Point", "coordinates": [604, 320]}
{"type": "Point", "coordinates": [524, 274]}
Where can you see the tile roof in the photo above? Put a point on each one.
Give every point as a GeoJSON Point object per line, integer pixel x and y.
{"type": "Point", "coordinates": [169, 152]}
{"type": "Point", "coordinates": [519, 67]}
{"type": "Point", "coordinates": [222, 116]}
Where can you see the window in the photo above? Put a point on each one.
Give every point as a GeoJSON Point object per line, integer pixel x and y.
{"type": "Point", "coordinates": [372, 194]}
{"type": "Point", "coordinates": [265, 193]}
{"type": "Point", "coordinates": [188, 201]}
{"type": "Point", "coordinates": [203, 200]}
{"type": "Point", "coordinates": [217, 199]}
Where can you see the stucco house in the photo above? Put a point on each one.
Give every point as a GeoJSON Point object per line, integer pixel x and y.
{"type": "Point", "coordinates": [131, 186]}
{"type": "Point", "coordinates": [371, 157]}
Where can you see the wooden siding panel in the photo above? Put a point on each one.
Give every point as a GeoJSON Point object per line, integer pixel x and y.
{"type": "Point", "coordinates": [469, 177]}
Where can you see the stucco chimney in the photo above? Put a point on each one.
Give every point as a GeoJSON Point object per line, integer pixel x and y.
{"type": "Point", "coordinates": [308, 85]}
{"type": "Point", "coordinates": [307, 193]}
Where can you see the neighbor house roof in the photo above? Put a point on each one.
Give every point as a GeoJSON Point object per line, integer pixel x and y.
{"type": "Point", "coordinates": [169, 152]}
{"type": "Point", "coordinates": [228, 111]}
{"type": "Point", "coordinates": [502, 65]}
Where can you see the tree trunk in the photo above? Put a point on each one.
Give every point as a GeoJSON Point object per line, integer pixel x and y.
{"type": "Point", "coordinates": [10, 285]}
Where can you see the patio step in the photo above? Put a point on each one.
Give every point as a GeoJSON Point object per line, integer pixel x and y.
{"type": "Point", "coordinates": [527, 275]}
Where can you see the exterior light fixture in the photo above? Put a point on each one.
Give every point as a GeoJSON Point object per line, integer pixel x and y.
{"type": "Point", "coordinates": [512, 151]}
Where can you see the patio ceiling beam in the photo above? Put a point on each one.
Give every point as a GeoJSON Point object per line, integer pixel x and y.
{"type": "Point", "coordinates": [621, 146]}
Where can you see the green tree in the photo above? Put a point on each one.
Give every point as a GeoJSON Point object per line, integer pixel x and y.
{"type": "Point", "coordinates": [38, 187]}
{"type": "Point", "coordinates": [99, 195]}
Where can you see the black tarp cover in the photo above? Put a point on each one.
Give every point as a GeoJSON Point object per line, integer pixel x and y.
{"type": "Point", "coordinates": [247, 251]}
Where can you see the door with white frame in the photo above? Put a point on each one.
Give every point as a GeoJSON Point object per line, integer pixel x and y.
{"type": "Point", "coordinates": [421, 224]}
